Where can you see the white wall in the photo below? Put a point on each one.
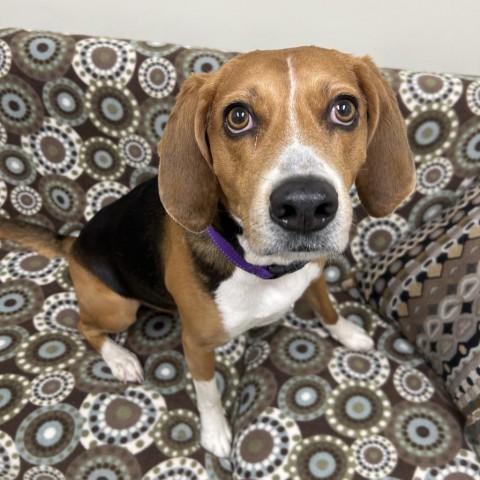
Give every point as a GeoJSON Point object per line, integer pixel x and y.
{"type": "Point", "coordinates": [435, 35]}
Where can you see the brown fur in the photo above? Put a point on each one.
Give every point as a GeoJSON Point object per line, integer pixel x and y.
{"type": "Point", "coordinates": [317, 296]}
{"type": "Point", "coordinates": [101, 310]}
{"type": "Point", "coordinates": [38, 238]}
{"type": "Point", "coordinates": [202, 329]}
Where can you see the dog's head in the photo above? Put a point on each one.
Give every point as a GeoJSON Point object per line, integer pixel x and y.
{"type": "Point", "coordinates": [279, 137]}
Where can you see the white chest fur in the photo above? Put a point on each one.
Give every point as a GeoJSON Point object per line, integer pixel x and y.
{"type": "Point", "coordinates": [246, 301]}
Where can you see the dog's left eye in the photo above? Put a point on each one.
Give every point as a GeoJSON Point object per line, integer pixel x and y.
{"type": "Point", "coordinates": [343, 112]}
{"type": "Point", "coordinates": [238, 119]}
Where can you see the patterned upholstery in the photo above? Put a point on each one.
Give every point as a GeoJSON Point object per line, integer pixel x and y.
{"type": "Point", "coordinates": [429, 283]}
{"type": "Point", "coordinates": [79, 121]}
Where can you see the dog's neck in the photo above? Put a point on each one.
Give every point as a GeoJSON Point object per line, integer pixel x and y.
{"type": "Point", "coordinates": [224, 233]}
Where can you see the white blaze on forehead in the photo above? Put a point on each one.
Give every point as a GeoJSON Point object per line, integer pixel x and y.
{"type": "Point", "coordinates": [291, 100]}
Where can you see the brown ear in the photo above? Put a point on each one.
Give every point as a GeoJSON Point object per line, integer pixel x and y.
{"type": "Point", "coordinates": [388, 176]}
{"type": "Point", "coordinates": [187, 184]}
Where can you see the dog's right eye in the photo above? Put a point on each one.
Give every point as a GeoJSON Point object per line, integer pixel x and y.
{"type": "Point", "coordinates": [238, 119]}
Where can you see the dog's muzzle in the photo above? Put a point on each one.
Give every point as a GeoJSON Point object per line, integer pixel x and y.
{"type": "Point", "coordinates": [303, 204]}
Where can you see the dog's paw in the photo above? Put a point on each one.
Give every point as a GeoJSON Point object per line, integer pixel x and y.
{"type": "Point", "coordinates": [216, 435]}
{"type": "Point", "coordinates": [123, 363]}
{"type": "Point", "coordinates": [350, 335]}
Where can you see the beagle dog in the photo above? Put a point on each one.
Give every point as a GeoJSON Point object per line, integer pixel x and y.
{"type": "Point", "coordinates": [256, 163]}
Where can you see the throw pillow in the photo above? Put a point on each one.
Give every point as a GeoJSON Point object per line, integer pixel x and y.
{"type": "Point", "coordinates": [429, 284]}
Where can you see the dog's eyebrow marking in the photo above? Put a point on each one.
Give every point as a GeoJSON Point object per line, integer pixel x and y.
{"type": "Point", "coordinates": [247, 95]}
{"type": "Point", "coordinates": [291, 99]}
{"type": "Point", "coordinates": [333, 86]}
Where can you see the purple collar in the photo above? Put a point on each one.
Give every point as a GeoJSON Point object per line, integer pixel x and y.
{"type": "Point", "coordinates": [269, 272]}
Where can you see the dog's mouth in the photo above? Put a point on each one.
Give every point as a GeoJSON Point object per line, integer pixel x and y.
{"type": "Point", "coordinates": [284, 249]}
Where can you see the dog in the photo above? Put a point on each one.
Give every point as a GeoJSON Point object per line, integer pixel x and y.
{"type": "Point", "coordinates": [256, 163]}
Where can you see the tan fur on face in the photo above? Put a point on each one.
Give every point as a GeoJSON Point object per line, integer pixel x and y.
{"type": "Point", "coordinates": [290, 92]}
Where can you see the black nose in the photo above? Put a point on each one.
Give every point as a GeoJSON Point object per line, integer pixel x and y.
{"type": "Point", "coordinates": [304, 204]}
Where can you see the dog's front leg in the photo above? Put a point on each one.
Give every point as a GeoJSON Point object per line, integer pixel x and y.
{"type": "Point", "coordinates": [342, 330]}
{"type": "Point", "coordinates": [216, 435]}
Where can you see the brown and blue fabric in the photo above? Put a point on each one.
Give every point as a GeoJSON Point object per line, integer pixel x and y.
{"type": "Point", "coordinates": [80, 118]}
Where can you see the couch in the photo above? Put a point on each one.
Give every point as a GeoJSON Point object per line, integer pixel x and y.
{"type": "Point", "coordinates": [80, 118]}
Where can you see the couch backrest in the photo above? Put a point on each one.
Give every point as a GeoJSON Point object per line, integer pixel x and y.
{"type": "Point", "coordinates": [80, 118]}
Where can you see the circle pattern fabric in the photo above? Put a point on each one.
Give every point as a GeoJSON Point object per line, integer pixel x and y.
{"type": "Point", "coordinates": [375, 236]}
{"type": "Point", "coordinates": [14, 392]}
{"type": "Point", "coordinates": [65, 101]}
{"type": "Point", "coordinates": [370, 367]}
{"type": "Point", "coordinates": [257, 391]}
{"type": "Point", "coordinates": [64, 198]}
{"type": "Point", "coordinates": [55, 148]}
{"type": "Point", "coordinates": [43, 472]}
{"type": "Point", "coordinates": [126, 420]}
{"type": "Point", "coordinates": [105, 462]}
{"type": "Point", "coordinates": [80, 120]}
{"type": "Point", "coordinates": [423, 88]}
{"type": "Point", "coordinates": [424, 434]}
{"type": "Point", "coordinates": [413, 385]}
{"type": "Point", "coordinates": [59, 313]}
{"type": "Point", "coordinates": [20, 300]}
{"type": "Point", "coordinates": [16, 166]}
{"type": "Point", "coordinates": [153, 331]}
{"type": "Point", "coordinates": [468, 148]}
{"type": "Point", "coordinates": [153, 118]}
{"type": "Point", "coordinates": [26, 200]}
{"type": "Point", "coordinates": [321, 456]}
{"type": "Point", "coordinates": [21, 110]}
{"type": "Point", "coordinates": [434, 175]}
{"type": "Point", "coordinates": [135, 151]}
{"type": "Point", "coordinates": [49, 351]}
{"type": "Point", "coordinates": [30, 266]}
{"type": "Point", "coordinates": [355, 409]}
{"type": "Point", "coordinates": [167, 372]}
{"type": "Point", "coordinates": [299, 353]}
{"type": "Point", "coordinates": [261, 450]}
{"type": "Point", "coordinates": [10, 466]}
{"type": "Point", "coordinates": [431, 130]}
{"type": "Point", "coordinates": [51, 388]}
{"type": "Point", "coordinates": [304, 398]}
{"type": "Point", "coordinates": [464, 466]}
{"type": "Point", "coordinates": [5, 58]}
{"type": "Point", "coordinates": [43, 56]}
{"type": "Point", "coordinates": [3, 135]}
{"type": "Point", "coordinates": [177, 468]}
{"type": "Point", "coordinates": [101, 159]}
{"type": "Point", "coordinates": [200, 61]}
{"type": "Point", "coordinates": [177, 433]}
{"type": "Point", "coordinates": [112, 108]}
{"type": "Point", "coordinates": [104, 59]}
{"type": "Point", "coordinates": [473, 97]}
{"type": "Point", "coordinates": [375, 456]}
{"type": "Point", "coordinates": [11, 338]}
{"type": "Point", "coordinates": [157, 77]}
{"type": "Point", "coordinates": [101, 195]}
{"type": "Point", "coordinates": [93, 374]}
{"type": "Point", "coordinates": [49, 433]}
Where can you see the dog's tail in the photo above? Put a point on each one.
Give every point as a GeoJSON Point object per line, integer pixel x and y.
{"type": "Point", "coordinates": [40, 239]}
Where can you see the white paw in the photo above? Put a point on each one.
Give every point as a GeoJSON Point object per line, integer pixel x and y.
{"type": "Point", "coordinates": [350, 335]}
{"type": "Point", "coordinates": [123, 363]}
{"type": "Point", "coordinates": [216, 435]}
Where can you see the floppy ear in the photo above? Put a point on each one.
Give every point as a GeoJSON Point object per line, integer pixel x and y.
{"type": "Point", "coordinates": [388, 176]}
{"type": "Point", "coordinates": [187, 184]}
